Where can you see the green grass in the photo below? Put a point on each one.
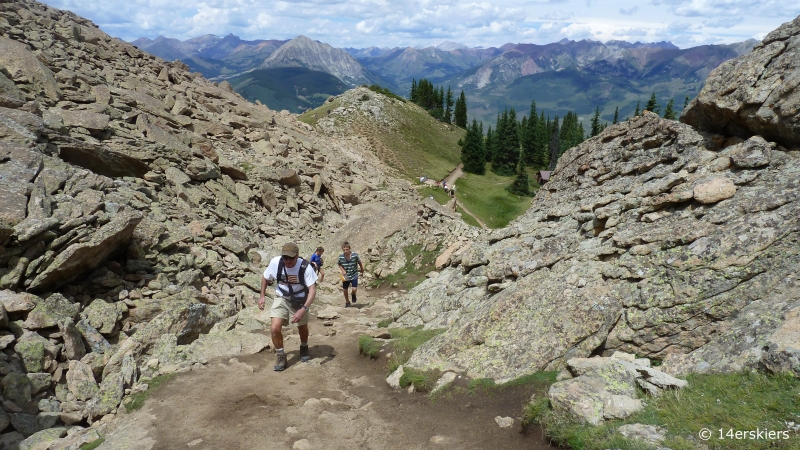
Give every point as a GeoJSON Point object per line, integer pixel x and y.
{"type": "Point", "coordinates": [137, 400]}
{"type": "Point", "coordinates": [93, 445]}
{"type": "Point", "coordinates": [385, 322]}
{"type": "Point", "coordinates": [423, 381]}
{"type": "Point", "coordinates": [741, 401]}
{"type": "Point", "coordinates": [368, 346]}
{"type": "Point", "coordinates": [405, 341]}
{"type": "Point", "coordinates": [489, 385]}
{"type": "Point", "coordinates": [438, 194]}
{"type": "Point", "coordinates": [467, 217]}
{"type": "Point", "coordinates": [486, 197]}
{"type": "Point", "coordinates": [411, 275]}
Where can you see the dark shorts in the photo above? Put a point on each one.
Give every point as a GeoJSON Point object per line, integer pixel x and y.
{"type": "Point", "coordinates": [347, 283]}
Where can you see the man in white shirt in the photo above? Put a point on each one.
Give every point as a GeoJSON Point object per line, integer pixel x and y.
{"type": "Point", "coordinates": [293, 297]}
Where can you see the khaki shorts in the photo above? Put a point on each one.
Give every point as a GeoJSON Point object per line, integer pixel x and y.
{"type": "Point", "coordinates": [282, 309]}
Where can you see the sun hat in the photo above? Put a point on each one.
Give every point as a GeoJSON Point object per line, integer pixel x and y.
{"type": "Point", "coordinates": [290, 249]}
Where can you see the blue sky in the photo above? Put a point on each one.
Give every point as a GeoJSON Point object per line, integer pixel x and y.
{"type": "Point", "coordinates": [393, 23]}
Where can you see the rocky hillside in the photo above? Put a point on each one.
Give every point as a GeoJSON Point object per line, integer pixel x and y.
{"type": "Point", "coordinates": [139, 203]}
{"type": "Point", "coordinates": [675, 241]}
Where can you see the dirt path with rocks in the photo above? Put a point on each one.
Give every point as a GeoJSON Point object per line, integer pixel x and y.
{"type": "Point", "coordinates": [338, 400]}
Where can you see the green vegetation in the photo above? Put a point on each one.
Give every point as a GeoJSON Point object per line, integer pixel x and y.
{"type": "Point", "coordinates": [137, 400]}
{"type": "Point", "coordinates": [437, 103]}
{"type": "Point", "coordinates": [418, 262]}
{"type": "Point", "coordinates": [467, 217]}
{"type": "Point", "coordinates": [405, 341]}
{"type": "Point", "coordinates": [293, 88]}
{"type": "Point", "coordinates": [486, 197]}
{"type": "Point", "coordinates": [93, 445]}
{"type": "Point", "coordinates": [739, 402]}
{"type": "Point", "coordinates": [368, 346]}
{"type": "Point", "coordinates": [423, 381]}
{"type": "Point", "coordinates": [385, 322]}
{"type": "Point", "coordinates": [386, 92]}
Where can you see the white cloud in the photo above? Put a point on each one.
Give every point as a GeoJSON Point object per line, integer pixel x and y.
{"type": "Point", "coordinates": [389, 23]}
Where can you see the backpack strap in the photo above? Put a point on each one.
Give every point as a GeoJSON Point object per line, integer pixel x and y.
{"type": "Point", "coordinates": [301, 277]}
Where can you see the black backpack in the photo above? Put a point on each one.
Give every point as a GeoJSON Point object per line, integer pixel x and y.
{"type": "Point", "coordinates": [289, 295]}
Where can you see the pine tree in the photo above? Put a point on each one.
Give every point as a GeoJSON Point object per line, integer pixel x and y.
{"type": "Point", "coordinates": [669, 113]}
{"type": "Point", "coordinates": [686, 102]}
{"type": "Point", "coordinates": [555, 145]}
{"type": "Point", "coordinates": [506, 157]}
{"type": "Point", "coordinates": [637, 113]}
{"type": "Point", "coordinates": [448, 102]}
{"type": "Point", "coordinates": [472, 153]}
{"type": "Point", "coordinates": [490, 145]}
{"type": "Point", "coordinates": [521, 184]}
{"type": "Point", "coordinates": [460, 115]}
{"type": "Point", "coordinates": [596, 122]}
{"type": "Point", "coordinates": [652, 104]}
{"type": "Point", "coordinates": [413, 95]}
{"type": "Point", "coordinates": [542, 139]}
{"type": "Point", "coordinates": [616, 116]}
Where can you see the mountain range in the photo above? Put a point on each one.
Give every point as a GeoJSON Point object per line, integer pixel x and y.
{"type": "Point", "coordinates": [577, 76]}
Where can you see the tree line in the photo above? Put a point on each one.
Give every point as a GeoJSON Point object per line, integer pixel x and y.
{"type": "Point", "coordinates": [512, 145]}
{"type": "Point", "coordinates": [439, 103]}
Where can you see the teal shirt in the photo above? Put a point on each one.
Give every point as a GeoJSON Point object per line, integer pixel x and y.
{"type": "Point", "coordinates": [351, 266]}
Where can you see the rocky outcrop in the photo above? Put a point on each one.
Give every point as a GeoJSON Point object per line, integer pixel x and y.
{"type": "Point", "coordinates": [654, 238]}
{"type": "Point", "coordinates": [755, 94]}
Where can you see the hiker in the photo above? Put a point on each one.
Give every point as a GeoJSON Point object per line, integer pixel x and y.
{"type": "Point", "coordinates": [295, 290]}
{"type": "Point", "coordinates": [453, 191]}
{"type": "Point", "coordinates": [348, 263]}
{"type": "Point", "coordinates": [317, 262]}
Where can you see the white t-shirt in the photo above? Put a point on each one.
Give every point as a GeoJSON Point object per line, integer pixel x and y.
{"type": "Point", "coordinates": [291, 276]}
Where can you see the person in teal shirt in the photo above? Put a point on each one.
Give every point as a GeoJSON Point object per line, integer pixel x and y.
{"type": "Point", "coordinates": [349, 266]}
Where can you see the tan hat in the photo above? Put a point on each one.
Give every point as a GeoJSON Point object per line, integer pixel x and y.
{"type": "Point", "coordinates": [290, 249]}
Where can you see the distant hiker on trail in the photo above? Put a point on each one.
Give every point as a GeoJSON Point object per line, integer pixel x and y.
{"type": "Point", "coordinates": [294, 293]}
{"type": "Point", "coordinates": [453, 191]}
{"type": "Point", "coordinates": [348, 263]}
{"type": "Point", "coordinates": [317, 262]}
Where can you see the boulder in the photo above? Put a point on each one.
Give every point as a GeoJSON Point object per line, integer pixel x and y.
{"type": "Point", "coordinates": [42, 439]}
{"type": "Point", "coordinates": [93, 339]}
{"type": "Point", "coordinates": [81, 118]}
{"type": "Point", "coordinates": [289, 178]}
{"type": "Point", "coordinates": [51, 311]}
{"type": "Point", "coordinates": [17, 388]}
{"type": "Point", "coordinates": [80, 258]}
{"type": "Point", "coordinates": [73, 341]}
{"type": "Point", "coordinates": [102, 316]}
{"type": "Point", "coordinates": [393, 380]}
{"type": "Point", "coordinates": [81, 382]}
{"type": "Point", "coordinates": [24, 67]}
{"type": "Point", "coordinates": [754, 93]}
{"type": "Point", "coordinates": [751, 153]}
{"type": "Point", "coordinates": [19, 165]}
{"type": "Point", "coordinates": [102, 160]}
{"type": "Point", "coordinates": [15, 302]}
{"type": "Point", "coordinates": [714, 190]}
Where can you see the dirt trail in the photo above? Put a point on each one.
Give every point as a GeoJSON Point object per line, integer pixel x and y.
{"type": "Point", "coordinates": [450, 179]}
{"type": "Point", "coordinates": [338, 400]}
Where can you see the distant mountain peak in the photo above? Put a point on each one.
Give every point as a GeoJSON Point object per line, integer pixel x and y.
{"type": "Point", "coordinates": [450, 45]}
{"type": "Point", "coordinates": [305, 52]}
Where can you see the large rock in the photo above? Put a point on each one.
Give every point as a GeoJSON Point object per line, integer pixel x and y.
{"type": "Point", "coordinates": [103, 316]}
{"type": "Point", "coordinates": [103, 160]}
{"type": "Point", "coordinates": [19, 165]}
{"type": "Point", "coordinates": [24, 67]}
{"type": "Point", "coordinates": [73, 341]}
{"type": "Point", "coordinates": [17, 388]}
{"type": "Point", "coordinates": [81, 382]}
{"type": "Point", "coordinates": [756, 93]}
{"type": "Point", "coordinates": [51, 311]}
{"type": "Point", "coordinates": [80, 258]}
{"type": "Point", "coordinates": [15, 302]}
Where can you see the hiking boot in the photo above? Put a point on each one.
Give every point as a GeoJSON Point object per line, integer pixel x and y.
{"type": "Point", "coordinates": [304, 355]}
{"type": "Point", "coordinates": [280, 362]}
{"type": "Point", "coordinates": [347, 305]}
{"type": "Point", "coordinates": [353, 297]}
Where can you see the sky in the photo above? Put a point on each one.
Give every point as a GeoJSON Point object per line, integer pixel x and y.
{"type": "Point", "coordinates": [423, 23]}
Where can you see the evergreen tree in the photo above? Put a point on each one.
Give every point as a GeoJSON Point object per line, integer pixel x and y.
{"type": "Point", "coordinates": [472, 153]}
{"type": "Point", "coordinates": [413, 95]}
{"type": "Point", "coordinates": [460, 114]}
{"type": "Point", "coordinates": [521, 184]}
{"type": "Point", "coordinates": [669, 113]}
{"type": "Point", "coordinates": [448, 102]}
{"type": "Point", "coordinates": [596, 122]}
{"type": "Point", "coordinates": [554, 146]}
{"type": "Point", "coordinates": [541, 141]}
{"type": "Point", "coordinates": [490, 145]}
{"type": "Point", "coordinates": [638, 111]}
{"type": "Point", "coordinates": [686, 102]}
{"type": "Point", "coordinates": [506, 157]}
{"type": "Point", "coordinates": [616, 116]}
{"type": "Point", "coordinates": [652, 104]}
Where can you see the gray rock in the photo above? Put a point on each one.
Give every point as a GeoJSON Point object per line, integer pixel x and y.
{"type": "Point", "coordinates": [11, 440]}
{"type": "Point", "coordinates": [80, 258]}
{"type": "Point", "coordinates": [93, 339]}
{"type": "Point", "coordinates": [51, 311]}
{"type": "Point", "coordinates": [714, 190]}
{"type": "Point", "coordinates": [73, 341]}
{"type": "Point", "coordinates": [41, 439]}
{"type": "Point", "coordinates": [752, 153]}
{"type": "Point", "coordinates": [14, 302]}
{"type": "Point", "coordinates": [17, 388]}
{"type": "Point", "coordinates": [81, 382]}
{"type": "Point", "coordinates": [394, 379]}
{"type": "Point", "coordinates": [25, 67]}
{"type": "Point", "coordinates": [751, 94]}
{"type": "Point", "coordinates": [39, 382]}
{"type": "Point", "coordinates": [648, 433]}
{"type": "Point", "coordinates": [103, 316]}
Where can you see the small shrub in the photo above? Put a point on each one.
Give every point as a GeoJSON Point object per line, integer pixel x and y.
{"type": "Point", "coordinates": [483, 384]}
{"type": "Point", "coordinates": [368, 346]}
{"type": "Point", "coordinates": [423, 381]}
{"type": "Point", "coordinates": [364, 97]}
{"type": "Point", "coordinates": [405, 341]}
{"type": "Point", "coordinates": [385, 322]}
